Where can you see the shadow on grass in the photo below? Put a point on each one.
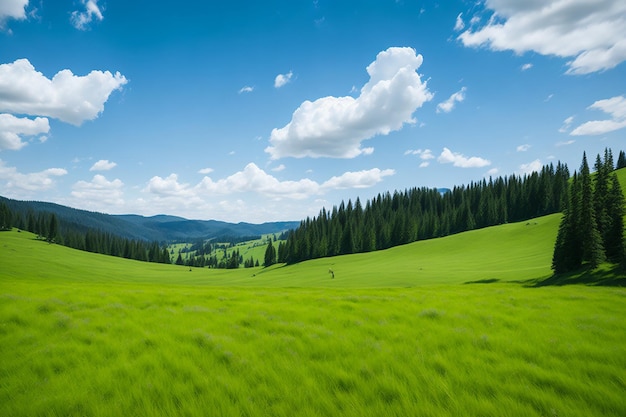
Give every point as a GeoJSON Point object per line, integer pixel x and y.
{"type": "Point", "coordinates": [606, 276]}
{"type": "Point", "coordinates": [483, 281]}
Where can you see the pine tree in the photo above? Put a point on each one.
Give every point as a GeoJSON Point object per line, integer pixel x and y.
{"type": "Point", "coordinates": [270, 254]}
{"type": "Point", "coordinates": [6, 217]}
{"type": "Point", "coordinates": [621, 160]}
{"type": "Point", "coordinates": [568, 250]}
{"type": "Point", "coordinates": [53, 228]}
{"type": "Point", "coordinates": [614, 236]}
{"type": "Point", "coordinates": [601, 188]}
{"type": "Point", "coordinates": [591, 241]}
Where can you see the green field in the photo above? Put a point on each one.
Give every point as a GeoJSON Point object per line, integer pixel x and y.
{"type": "Point", "coordinates": [445, 327]}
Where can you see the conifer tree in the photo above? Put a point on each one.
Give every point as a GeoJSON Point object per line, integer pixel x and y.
{"type": "Point", "coordinates": [591, 241]}
{"type": "Point", "coordinates": [53, 228]}
{"type": "Point", "coordinates": [6, 217]}
{"type": "Point", "coordinates": [568, 250]}
{"type": "Point", "coordinates": [621, 160]}
{"type": "Point", "coordinates": [614, 236]}
{"type": "Point", "coordinates": [270, 254]}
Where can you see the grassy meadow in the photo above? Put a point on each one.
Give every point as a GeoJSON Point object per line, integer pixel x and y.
{"type": "Point", "coordinates": [445, 327]}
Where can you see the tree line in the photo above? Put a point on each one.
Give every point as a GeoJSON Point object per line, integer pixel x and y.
{"type": "Point", "coordinates": [422, 213]}
{"type": "Point", "coordinates": [592, 227]}
{"type": "Point", "coordinates": [47, 226]}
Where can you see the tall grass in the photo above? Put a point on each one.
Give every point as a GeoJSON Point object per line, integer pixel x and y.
{"type": "Point", "coordinates": [482, 350]}
{"type": "Point", "coordinates": [393, 334]}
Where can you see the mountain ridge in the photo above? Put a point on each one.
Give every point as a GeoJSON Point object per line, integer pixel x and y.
{"type": "Point", "coordinates": [160, 227]}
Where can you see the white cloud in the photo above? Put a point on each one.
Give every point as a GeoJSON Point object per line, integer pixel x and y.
{"type": "Point", "coordinates": [448, 105]}
{"type": "Point", "coordinates": [565, 143]}
{"type": "Point", "coordinates": [13, 129]}
{"type": "Point", "coordinates": [567, 123]}
{"type": "Point", "coordinates": [254, 179]}
{"type": "Point", "coordinates": [335, 126]}
{"type": "Point", "coordinates": [360, 179]}
{"type": "Point", "coordinates": [168, 186]}
{"type": "Point", "coordinates": [99, 192]}
{"type": "Point", "coordinates": [205, 171]}
{"type": "Point", "coordinates": [614, 107]}
{"type": "Point", "coordinates": [282, 79]}
{"type": "Point", "coordinates": [461, 161]}
{"type": "Point", "coordinates": [12, 9]}
{"type": "Point", "coordinates": [279, 168]}
{"type": "Point", "coordinates": [529, 168]}
{"type": "Point", "coordinates": [67, 97]}
{"type": "Point", "coordinates": [425, 154]}
{"type": "Point", "coordinates": [103, 165]}
{"type": "Point", "coordinates": [526, 66]}
{"type": "Point", "coordinates": [246, 89]}
{"type": "Point", "coordinates": [15, 183]}
{"type": "Point", "coordinates": [523, 148]}
{"type": "Point", "coordinates": [424, 164]}
{"type": "Point", "coordinates": [493, 171]}
{"type": "Point", "coordinates": [590, 33]}
{"type": "Point", "coordinates": [81, 19]}
{"type": "Point", "coordinates": [459, 25]}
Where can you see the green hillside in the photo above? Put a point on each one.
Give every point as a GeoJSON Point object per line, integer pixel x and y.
{"type": "Point", "coordinates": [83, 334]}
{"type": "Point", "coordinates": [511, 252]}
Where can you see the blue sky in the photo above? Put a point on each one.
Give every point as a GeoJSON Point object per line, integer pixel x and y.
{"type": "Point", "coordinates": [262, 111]}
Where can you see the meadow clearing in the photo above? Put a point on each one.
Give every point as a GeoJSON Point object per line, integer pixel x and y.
{"type": "Point", "coordinates": [446, 327]}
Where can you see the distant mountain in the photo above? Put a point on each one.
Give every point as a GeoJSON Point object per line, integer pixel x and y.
{"type": "Point", "coordinates": [154, 228]}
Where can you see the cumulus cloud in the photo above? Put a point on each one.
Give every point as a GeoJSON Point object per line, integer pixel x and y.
{"type": "Point", "coordinates": [589, 33]}
{"type": "Point", "coordinates": [205, 171]}
{"type": "Point", "coordinates": [523, 148]}
{"type": "Point", "coordinates": [254, 179]}
{"type": "Point", "coordinates": [82, 18]}
{"type": "Point", "coordinates": [529, 168]}
{"type": "Point", "coordinates": [67, 97]}
{"type": "Point", "coordinates": [99, 191]}
{"type": "Point", "coordinates": [282, 79]}
{"type": "Point", "coordinates": [335, 126]}
{"type": "Point", "coordinates": [13, 129]}
{"type": "Point", "coordinates": [461, 161]}
{"type": "Point", "coordinates": [526, 66]}
{"type": "Point", "coordinates": [448, 105]}
{"type": "Point", "coordinates": [614, 107]}
{"type": "Point", "coordinates": [359, 179]}
{"type": "Point", "coordinates": [246, 89]}
{"type": "Point", "coordinates": [12, 9]}
{"type": "Point", "coordinates": [103, 165]}
{"type": "Point", "coordinates": [14, 182]}
{"type": "Point", "coordinates": [279, 168]}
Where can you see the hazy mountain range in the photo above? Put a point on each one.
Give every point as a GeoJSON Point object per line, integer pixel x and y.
{"type": "Point", "coordinates": [159, 228]}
